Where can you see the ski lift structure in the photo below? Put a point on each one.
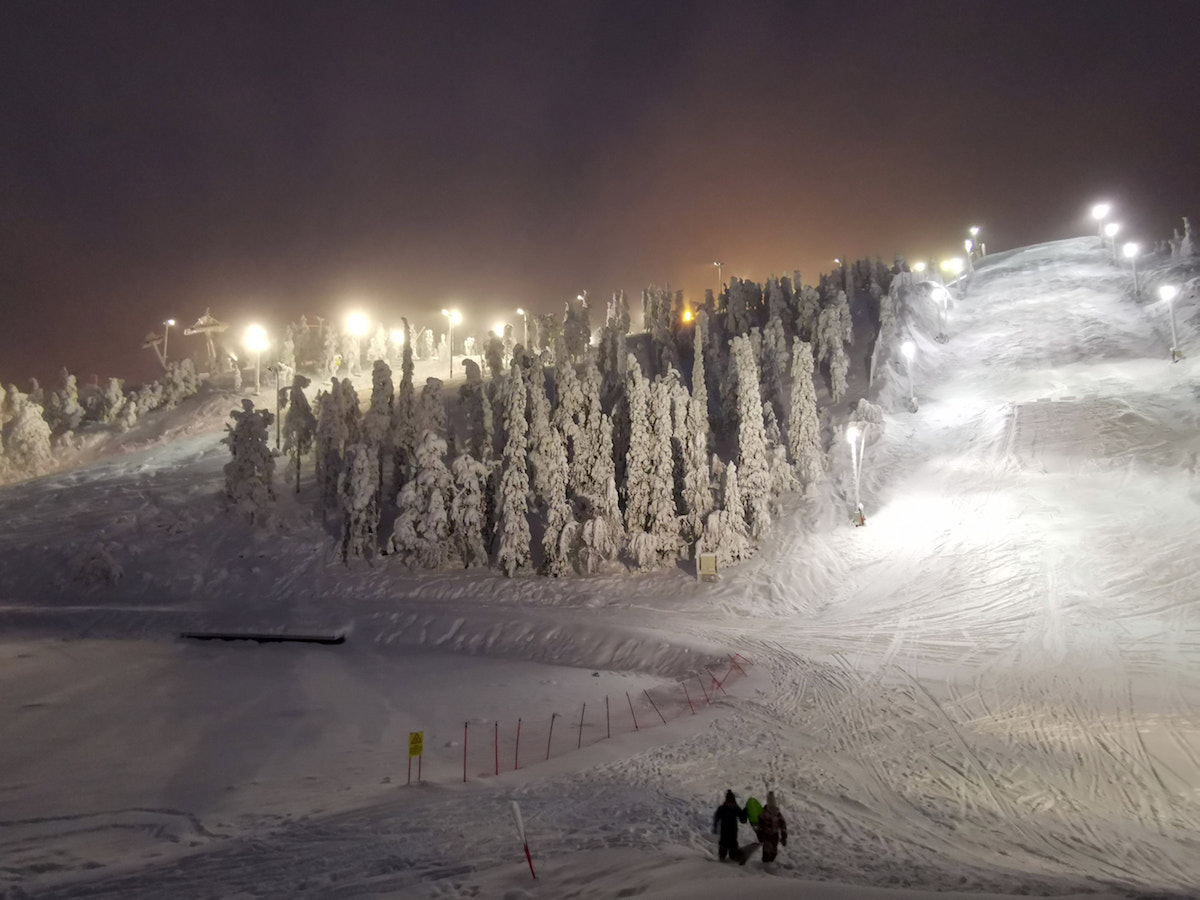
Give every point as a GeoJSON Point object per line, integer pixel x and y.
{"type": "Point", "coordinates": [208, 326]}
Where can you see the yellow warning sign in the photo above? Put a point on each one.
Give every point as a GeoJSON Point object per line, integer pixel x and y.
{"type": "Point", "coordinates": [416, 743]}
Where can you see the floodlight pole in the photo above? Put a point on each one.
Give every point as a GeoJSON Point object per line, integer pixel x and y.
{"type": "Point", "coordinates": [166, 334]}
{"type": "Point", "coordinates": [278, 389]}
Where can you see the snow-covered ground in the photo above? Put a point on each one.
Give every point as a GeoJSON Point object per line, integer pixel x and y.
{"type": "Point", "coordinates": [991, 689]}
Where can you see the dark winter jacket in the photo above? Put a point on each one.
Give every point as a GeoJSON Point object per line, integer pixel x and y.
{"type": "Point", "coordinates": [726, 818]}
{"type": "Point", "coordinates": [771, 825]}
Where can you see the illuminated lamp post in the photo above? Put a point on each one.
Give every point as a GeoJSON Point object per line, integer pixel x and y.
{"type": "Point", "coordinates": [1100, 213]}
{"type": "Point", "coordinates": [1131, 251]}
{"type": "Point", "coordinates": [1110, 231]}
{"type": "Point", "coordinates": [720, 281]}
{"type": "Point", "coordinates": [941, 296]}
{"type": "Point", "coordinates": [453, 318]}
{"type": "Point", "coordinates": [167, 323]}
{"type": "Point", "coordinates": [525, 316]}
{"type": "Point", "coordinates": [1167, 294]}
{"type": "Point", "coordinates": [397, 343]}
{"type": "Point", "coordinates": [278, 399]}
{"type": "Point", "coordinates": [357, 325]}
{"type": "Point", "coordinates": [256, 343]}
{"type": "Point", "coordinates": [909, 349]}
{"type": "Point", "coordinates": [687, 316]}
{"type": "Point", "coordinates": [954, 267]}
{"type": "Point", "coordinates": [969, 245]}
{"type": "Point", "coordinates": [853, 436]}
{"type": "Point", "coordinates": [980, 248]}
{"type": "Point", "coordinates": [919, 268]}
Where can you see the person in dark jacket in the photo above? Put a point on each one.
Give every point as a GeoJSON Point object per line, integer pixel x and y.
{"type": "Point", "coordinates": [725, 823]}
{"type": "Point", "coordinates": [772, 829]}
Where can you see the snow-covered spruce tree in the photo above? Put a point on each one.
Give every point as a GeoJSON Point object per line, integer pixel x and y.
{"type": "Point", "coordinates": [512, 525]}
{"type": "Point", "coordinates": [737, 311]}
{"type": "Point", "coordinates": [752, 445]}
{"type": "Point", "coordinates": [351, 353]}
{"type": "Point", "coordinates": [476, 412]}
{"type": "Point", "coordinates": [663, 516]}
{"type": "Point", "coordinates": [770, 426]}
{"type": "Point", "coordinates": [331, 350]}
{"type": "Point", "coordinates": [248, 475]}
{"type": "Point", "coordinates": [725, 529]}
{"type": "Point", "coordinates": [547, 456]}
{"type": "Point", "coordinates": [728, 405]}
{"type": "Point", "coordinates": [577, 328]}
{"type": "Point", "coordinates": [26, 437]}
{"type": "Point", "coordinates": [358, 488]}
{"type": "Point", "coordinates": [299, 427]}
{"type": "Point", "coordinates": [468, 509]}
{"type": "Point", "coordinates": [839, 365]}
{"type": "Point", "coordinates": [180, 382]}
{"type": "Point", "coordinates": [774, 365]}
{"type": "Point", "coordinates": [420, 535]}
{"type": "Point", "coordinates": [586, 464]}
{"type": "Point", "coordinates": [602, 533]}
{"type": "Point", "coordinates": [404, 418]}
{"type": "Point", "coordinates": [331, 438]}
{"type": "Point", "coordinates": [699, 385]}
{"type": "Point", "coordinates": [697, 492]}
{"type": "Point", "coordinates": [808, 303]}
{"type": "Point", "coordinates": [287, 351]}
{"type": "Point", "coordinates": [63, 412]}
{"type": "Point", "coordinates": [377, 422]}
{"type": "Point", "coordinates": [639, 457]}
{"type": "Point", "coordinates": [804, 427]}
{"type": "Point", "coordinates": [377, 346]}
{"type": "Point", "coordinates": [352, 412]}
{"type": "Point", "coordinates": [112, 402]}
{"type": "Point", "coordinates": [777, 307]}
{"type": "Point", "coordinates": [493, 355]}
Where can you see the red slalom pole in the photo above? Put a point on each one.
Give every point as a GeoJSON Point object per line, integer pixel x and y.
{"type": "Point", "coordinates": [465, 750]}
{"type": "Point", "coordinates": [715, 682]}
{"type": "Point", "coordinates": [689, 698]}
{"type": "Point", "coordinates": [579, 743]}
{"type": "Point", "coordinates": [631, 712]}
{"type": "Point", "coordinates": [497, 748]}
{"type": "Point", "coordinates": [739, 668]}
{"type": "Point", "coordinates": [517, 752]}
{"type": "Point", "coordinates": [553, 716]}
{"type": "Point", "coordinates": [655, 705]}
{"type": "Point", "coordinates": [703, 688]}
{"type": "Point", "coordinates": [607, 720]}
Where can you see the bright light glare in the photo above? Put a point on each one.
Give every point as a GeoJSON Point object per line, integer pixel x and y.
{"type": "Point", "coordinates": [1111, 229]}
{"type": "Point", "coordinates": [954, 265]}
{"type": "Point", "coordinates": [453, 315]}
{"type": "Point", "coordinates": [256, 339]}
{"type": "Point", "coordinates": [908, 348]}
{"type": "Point", "coordinates": [398, 337]}
{"type": "Point", "coordinates": [1100, 210]}
{"type": "Point", "coordinates": [1130, 250]}
{"type": "Point", "coordinates": [919, 267]}
{"type": "Point", "coordinates": [940, 294]}
{"type": "Point", "coordinates": [974, 229]}
{"type": "Point", "coordinates": [968, 245]}
{"type": "Point", "coordinates": [1167, 292]}
{"type": "Point", "coordinates": [851, 435]}
{"type": "Point", "coordinates": [498, 329]}
{"type": "Point", "coordinates": [687, 315]}
{"type": "Point", "coordinates": [520, 312]}
{"type": "Point", "coordinates": [357, 324]}
{"type": "Point", "coordinates": [169, 322]}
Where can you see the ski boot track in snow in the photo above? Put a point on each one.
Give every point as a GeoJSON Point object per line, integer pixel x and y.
{"type": "Point", "coordinates": [992, 688]}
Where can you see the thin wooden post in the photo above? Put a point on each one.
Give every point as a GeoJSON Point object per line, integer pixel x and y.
{"type": "Point", "coordinates": [409, 771]}
{"type": "Point", "coordinates": [419, 769]}
{"type": "Point", "coordinates": [553, 716]}
{"type": "Point", "coordinates": [497, 747]}
{"type": "Point", "coordinates": [579, 743]}
{"type": "Point", "coordinates": [465, 724]}
{"type": "Point", "coordinates": [517, 752]}
{"type": "Point", "coordinates": [607, 720]}
{"type": "Point", "coordinates": [703, 688]}
{"type": "Point", "coordinates": [655, 705]}
{"type": "Point", "coordinates": [631, 712]}
{"type": "Point", "coordinates": [689, 698]}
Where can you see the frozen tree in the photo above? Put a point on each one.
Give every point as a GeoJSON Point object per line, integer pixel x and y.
{"type": "Point", "coordinates": [547, 456]}
{"type": "Point", "coordinates": [585, 476]}
{"type": "Point", "coordinates": [404, 417]}
{"type": "Point", "coordinates": [663, 521]}
{"type": "Point", "coordinates": [352, 413]}
{"type": "Point", "coordinates": [420, 535]}
{"type": "Point", "coordinates": [725, 529]}
{"type": "Point", "coordinates": [804, 428]}
{"type": "Point", "coordinates": [493, 354]}
{"type": "Point", "coordinates": [426, 344]}
{"type": "Point", "coordinates": [770, 426]}
{"type": "Point", "coordinates": [752, 445]}
{"type": "Point", "coordinates": [377, 346]}
{"type": "Point", "coordinates": [331, 357]}
{"type": "Point", "coordinates": [358, 488]}
{"type": "Point", "coordinates": [577, 328]}
{"type": "Point", "coordinates": [351, 353]}
{"type": "Point", "coordinates": [287, 351]}
{"type": "Point", "coordinates": [699, 385]}
{"type": "Point", "coordinates": [602, 534]}
{"type": "Point", "coordinates": [697, 493]}
{"type": "Point", "coordinates": [26, 437]}
{"type": "Point", "coordinates": [737, 309]}
{"type": "Point", "coordinates": [332, 435]}
{"type": "Point", "coordinates": [774, 365]}
{"type": "Point", "coordinates": [512, 524]}
{"type": "Point", "coordinates": [468, 509]}
{"type": "Point", "coordinates": [476, 412]}
{"type": "Point", "coordinates": [377, 422]}
{"type": "Point", "coordinates": [808, 310]}
{"type": "Point", "coordinates": [777, 304]}
{"type": "Point", "coordinates": [248, 474]}
{"type": "Point", "coordinates": [299, 427]}
{"type": "Point", "coordinates": [639, 458]}
{"type": "Point", "coordinates": [839, 365]}
{"type": "Point", "coordinates": [180, 382]}
{"type": "Point", "coordinates": [63, 412]}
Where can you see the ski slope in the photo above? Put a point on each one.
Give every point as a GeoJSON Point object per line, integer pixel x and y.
{"type": "Point", "coordinates": [991, 689]}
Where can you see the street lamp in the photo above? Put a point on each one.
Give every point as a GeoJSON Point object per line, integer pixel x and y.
{"type": "Point", "coordinates": [1131, 251]}
{"type": "Point", "coordinates": [687, 316]}
{"type": "Point", "coordinates": [524, 315]}
{"type": "Point", "coordinates": [909, 349]}
{"type": "Point", "coordinates": [167, 323]}
{"type": "Point", "coordinates": [278, 399]}
{"type": "Point", "coordinates": [1110, 231]}
{"type": "Point", "coordinates": [1100, 213]}
{"type": "Point", "coordinates": [453, 317]}
{"type": "Point", "coordinates": [941, 296]}
{"type": "Point", "coordinates": [974, 230]}
{"type": "Point", "coordinates": [919, 268]}
{"type": "Point", "coordinates": [969, 245]}
{"type": "Point", "coordinates": [256, 343]}
{"type": "Point", "coordinates": [853, 433]}
{"type": "Point", "coordinates": [954, 266]}
{"type": "Point", "coordinates": [1167, 294]}
{"type": "Point", "coordinates": [720, 281]}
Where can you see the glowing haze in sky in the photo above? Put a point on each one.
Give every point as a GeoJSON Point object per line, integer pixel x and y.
{"type": "Point", "coordinates": [268, 159]}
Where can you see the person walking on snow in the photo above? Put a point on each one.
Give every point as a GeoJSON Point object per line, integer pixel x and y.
{"type": "Point", "coordinates": [772, 829]}
{"type": "Point", "coordinates": [725, 822]}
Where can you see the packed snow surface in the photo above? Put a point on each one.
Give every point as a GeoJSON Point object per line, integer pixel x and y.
{"type": "Point", "coordinates": [992, 688]}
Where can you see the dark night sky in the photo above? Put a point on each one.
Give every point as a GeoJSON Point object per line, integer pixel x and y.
{"type": "Point", "coordinates": [268, 159]}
